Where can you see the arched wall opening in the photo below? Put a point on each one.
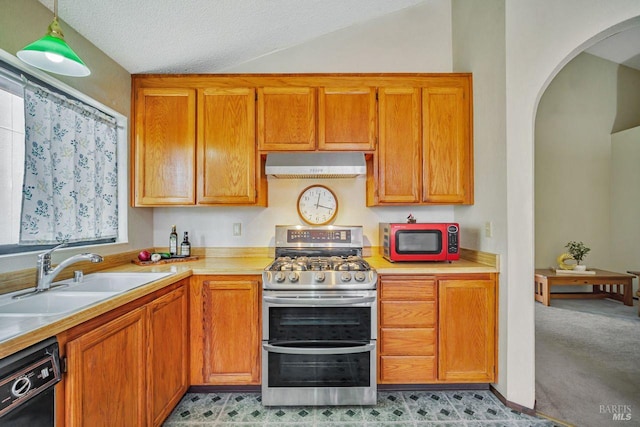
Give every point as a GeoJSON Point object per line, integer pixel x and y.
{"type": "Point", "coordinates": [540, 40]}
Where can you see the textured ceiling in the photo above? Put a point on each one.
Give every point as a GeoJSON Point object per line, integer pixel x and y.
{"type": "Point", "coordinates": [200, 36]}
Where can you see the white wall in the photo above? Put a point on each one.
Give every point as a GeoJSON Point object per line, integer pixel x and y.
{"type": "Point", "coordinates": [625, 201]}
{"type": "Point", "coordinates": [416, 39]}
{"type": "Point", "coordinates": [479, 47]}
{"type": "Point", "coordinates": [541, 37]}
{"type": "Point", "coordinates": [587, 99]}
{"type": "Point", "coordinates": [209, 227]}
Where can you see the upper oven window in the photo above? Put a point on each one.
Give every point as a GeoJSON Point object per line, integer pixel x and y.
{"type": "Point", "coordinates": [418, 241]}
{"type": "Point", "coordinates": [319, 323]}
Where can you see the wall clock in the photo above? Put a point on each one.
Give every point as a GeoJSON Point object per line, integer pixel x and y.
{"type": "Point", "coordinates": [317, 205]}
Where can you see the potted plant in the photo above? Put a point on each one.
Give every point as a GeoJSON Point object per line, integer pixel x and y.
{"type": "Point", "coordinates": [578, 251]}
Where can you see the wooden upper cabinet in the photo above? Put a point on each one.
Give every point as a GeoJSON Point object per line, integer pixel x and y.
{"type": "Point", "coordinates": [226, 165]}
{"type": "Point", "coordinates": [467, 330]}
{"type": "Point", "coordinates": [286, 118]}
{"type": "Point", "coordinates": [347, 119]}
{"type": "Point", "coordinates": [447, 151]}
{"type": "Point", "coordinates": [429, 161]}
{"type": "Point", "coordinates": [400, 148]}
{"type": "Point", "coordinates": [164, 147]}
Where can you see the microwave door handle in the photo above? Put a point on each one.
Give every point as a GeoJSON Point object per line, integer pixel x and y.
{"type": "Point", "coordinates": [321, 351]}
{"type": "Point", "coordinates": [318, 301]}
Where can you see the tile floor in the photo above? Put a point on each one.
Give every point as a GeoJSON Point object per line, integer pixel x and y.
{"type": "Point", "coordinates": [394, 409]}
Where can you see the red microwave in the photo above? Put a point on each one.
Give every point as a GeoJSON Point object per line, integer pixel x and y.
{"type": "Point", "coordinates": [420, 241]}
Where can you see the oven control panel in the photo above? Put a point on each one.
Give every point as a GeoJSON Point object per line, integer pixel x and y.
{"type": "Point", "coordinates": [319, 236]}
{"type": "Point", "coordinates": [324, 236]}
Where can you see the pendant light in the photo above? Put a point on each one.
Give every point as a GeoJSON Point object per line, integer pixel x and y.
{"type": "Point", "coordinates": [52, 53]}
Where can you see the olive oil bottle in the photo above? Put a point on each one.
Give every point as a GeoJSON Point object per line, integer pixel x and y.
{"type": "Point", "coordinates": [173, 241]}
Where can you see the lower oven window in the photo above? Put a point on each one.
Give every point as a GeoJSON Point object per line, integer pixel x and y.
{"type": "Point", "coordinates": [320, 370]}
{"type": "Point", "coordinates": [320, 323]}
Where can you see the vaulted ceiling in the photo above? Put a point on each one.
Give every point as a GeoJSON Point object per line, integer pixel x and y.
{"type": "Point", "coordinates": [199, 36]}
{"type": "Point", "coordinates": [204, 36]}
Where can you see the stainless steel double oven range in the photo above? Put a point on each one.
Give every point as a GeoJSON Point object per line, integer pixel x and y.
{"type": "Point", "coordinates": [319, 323]}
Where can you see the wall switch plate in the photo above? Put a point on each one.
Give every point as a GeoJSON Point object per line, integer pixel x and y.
{"type": "Point", "coordinates": [237, 229]}
{"type": "Point", "coordinates": [488, 229]}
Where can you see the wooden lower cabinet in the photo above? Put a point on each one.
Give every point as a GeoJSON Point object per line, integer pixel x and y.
{"type": "Point", "coordinates": [225, 332]}
{"type": "Point", "coordinates": [407, 338]}
{"type": "Point", "coordinates": [106, 374]}
{"type": "Point", "coordinates": [437, 329]}
{"type": "Point", "coordinates": [167, 362]}
{"type": "Point", "coordinates": [467, 329]}
{"type": "Point", "coordinates": [129, 366]}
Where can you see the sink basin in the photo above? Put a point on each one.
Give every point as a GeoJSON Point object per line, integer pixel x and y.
{"type": "Point", "coordinates": [109, 282]}
{"type": "Point", "coordinates": [51, 303]}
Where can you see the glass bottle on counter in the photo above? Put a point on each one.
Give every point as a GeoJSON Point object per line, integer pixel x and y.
{"type": "Point", "coordinates": [173, 241]}
{"type": "Point", "coordinates": [185, 246]}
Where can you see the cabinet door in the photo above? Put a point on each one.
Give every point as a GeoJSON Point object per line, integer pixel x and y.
{"type": "Point", "coordinates": [164, 147]}
{"type": "Point", "coordinates": [105, 384]}
{"type": "Point", "coordinates": [467, 330]}
{"type": "Point", "coordinates": [226, 172]}
{"type": "Point", "coordinates": [232, 338]}
{"type": "Point", "coordinates": [347, 119]}
{"type": "Point", "coordinates": [286, 118]}
{"type": "Point", "coordinates": [167, 354]}
{"type": "Point", "coordinates": [399, 152]}
{"type": "Point", "coordinates": [447, 146]}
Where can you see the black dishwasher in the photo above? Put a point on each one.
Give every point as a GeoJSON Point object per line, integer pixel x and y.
{"type": "Point", "coordinates": [27, 386]}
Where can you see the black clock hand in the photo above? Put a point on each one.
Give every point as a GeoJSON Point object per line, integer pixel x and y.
{"type": "Point", "coordinates": [326, 207]}
{"type": "Point", "coordinates": [318, 202]}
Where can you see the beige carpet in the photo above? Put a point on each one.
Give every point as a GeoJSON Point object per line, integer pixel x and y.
{"type": "Point", "coordinates": [588, 362]}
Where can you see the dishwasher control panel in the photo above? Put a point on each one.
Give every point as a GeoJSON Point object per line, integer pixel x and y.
{"type": "Point", "coordinates": [28, 379]}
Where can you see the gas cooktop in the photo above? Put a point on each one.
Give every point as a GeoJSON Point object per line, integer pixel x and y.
{"type": "Point", "coordinates": [325, 257]}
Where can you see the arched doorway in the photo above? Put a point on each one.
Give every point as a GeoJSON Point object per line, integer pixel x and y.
{"type": "Point", "coordinates": [540, 40]}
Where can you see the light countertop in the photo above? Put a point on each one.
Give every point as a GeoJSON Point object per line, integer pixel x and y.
{"type": "Point", "coordinates": [18, 334]}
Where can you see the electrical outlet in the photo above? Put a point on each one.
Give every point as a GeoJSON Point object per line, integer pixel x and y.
{"type": "Point", "coordinates": [237, 229]}
{"type": "Point", "coordinates": [488, 229]}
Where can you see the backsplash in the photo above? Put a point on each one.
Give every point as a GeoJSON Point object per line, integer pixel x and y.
{"type": "Point", "coordinates": [213, 227]}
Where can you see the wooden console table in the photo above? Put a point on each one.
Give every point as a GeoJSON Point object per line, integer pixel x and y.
{"type": "Point", "coordinates": [606, 284]}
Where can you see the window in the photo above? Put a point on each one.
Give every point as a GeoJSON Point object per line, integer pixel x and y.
{"type": "Point", "coordinates": [12, 161]}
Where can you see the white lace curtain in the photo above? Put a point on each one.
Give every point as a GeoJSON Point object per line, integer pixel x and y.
{"type": "Point", "coordinates": [71, 179]}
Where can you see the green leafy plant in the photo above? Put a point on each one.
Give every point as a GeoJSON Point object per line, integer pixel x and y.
{"type": "Point", "coordinates": [578, 250]}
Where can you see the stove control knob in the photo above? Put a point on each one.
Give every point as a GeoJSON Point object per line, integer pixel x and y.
{"type": "Point", "coordinates": [293, 277]}
{"type": "Point", "coordinates": [319, 276]}
{"type": "Point", "coordinates": [360, 276]}
{"type": "Point", "coordinates": [279, 276]}
{"type": "Point", "coordinates": [345, 276]}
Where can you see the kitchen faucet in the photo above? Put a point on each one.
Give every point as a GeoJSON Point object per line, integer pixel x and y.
{"type": "Point", "coordinates": [45, 274]}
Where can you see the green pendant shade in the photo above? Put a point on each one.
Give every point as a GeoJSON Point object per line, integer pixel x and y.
{"type": "Point", "coordinates": [52, 53]}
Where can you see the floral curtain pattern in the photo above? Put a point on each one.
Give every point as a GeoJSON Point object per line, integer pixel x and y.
{"type": "Point", "coordinates": [70, 179]}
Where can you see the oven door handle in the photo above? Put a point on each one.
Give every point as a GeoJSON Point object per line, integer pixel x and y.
{"type": "Point", "coordinates": [321, 350]}
{"type": "Point", "coordinates": [347, 300]}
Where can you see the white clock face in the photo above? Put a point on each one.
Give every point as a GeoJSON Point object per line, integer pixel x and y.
{"type": "Point", "coordinates": [317, 205]}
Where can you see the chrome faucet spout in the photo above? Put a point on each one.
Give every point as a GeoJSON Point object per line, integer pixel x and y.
{"type": "Point", "coordinates": [46, 274]}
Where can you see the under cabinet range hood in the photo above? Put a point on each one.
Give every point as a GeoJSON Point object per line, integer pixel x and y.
{"type": "Point", "coordinates": [315, 165]}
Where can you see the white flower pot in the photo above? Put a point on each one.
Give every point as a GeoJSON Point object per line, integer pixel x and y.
{"type": "Point", "coordinates": [580, 267]}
